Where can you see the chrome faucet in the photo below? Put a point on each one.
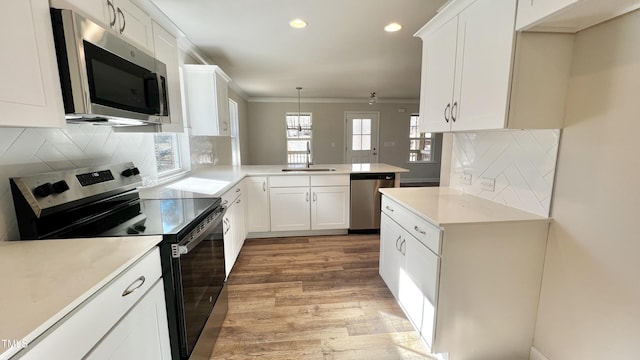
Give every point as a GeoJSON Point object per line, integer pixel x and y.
{"type": "Point", "coordinates": [308, 154]}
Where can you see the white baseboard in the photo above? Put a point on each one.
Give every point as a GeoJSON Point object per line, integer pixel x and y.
{"type": "Point", "coordinates": [535, 354]}
{"type": "Point", "coordinates": [254, 235]}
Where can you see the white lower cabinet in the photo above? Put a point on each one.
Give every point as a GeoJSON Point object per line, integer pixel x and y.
{"type": "Point", "coordinates": [141, 325]}
{"type": "Point", "coordinates": [470, 289]}
{"type": "Point", "coordinates": [329, 207]}
{"type": "Point", "coordinates": [289, 207]}
{"type": "Point", "coordinates": [233, 225]}
{"type": "Point", "coordinates": [126, 319]}
{"type": "Point", "coordinates": [301, 203]}
{"type": "Point", "coordinates": [257, 205]}
{"type": "Point", "coordinates": [411, 271]}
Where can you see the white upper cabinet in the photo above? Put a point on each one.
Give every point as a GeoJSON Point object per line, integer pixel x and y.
{"type": "Point", "coordinates": [478, 74]}
{"type": "Point", "coordinates": [207, 100]}
{"type": "Point", "coordinates": [438, 72]}
{"type": "Point", "coordinates": [122, 16]}
{"type": "Point", "coordinates": [569, 15]}
{"type": "Point", "coordinates": [166, 50]}
{"type": "Point", "coordinates": [30, 94]}
{"type": "Point", "coordinates": [131, 22]}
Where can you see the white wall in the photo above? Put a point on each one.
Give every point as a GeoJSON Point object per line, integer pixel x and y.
{"type": "Point", "coordinates": [590, 302]}
{"type": "Point", "coordinates": [267, 134]}
{"type": "Point", "coordinates": [31, 151]}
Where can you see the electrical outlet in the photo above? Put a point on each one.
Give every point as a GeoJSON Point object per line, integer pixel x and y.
{"type": "Point", "coordinates": [466, 178]}
{"type": "Point", "coordinates": [488, 184]}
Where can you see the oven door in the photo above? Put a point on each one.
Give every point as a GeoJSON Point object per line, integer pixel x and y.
{"type": "Point", "coordinates": [199, 275]}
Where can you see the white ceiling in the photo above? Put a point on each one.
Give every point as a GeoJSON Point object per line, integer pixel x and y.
{"type": "Point", "coordinates": [343, 52]}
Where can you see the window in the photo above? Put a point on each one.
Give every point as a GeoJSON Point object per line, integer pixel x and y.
{"type": "Point", "coordinates": [420, 144]}
{"type": "Point", "coordinates": [298, 138]}
{"type": "Point", "coordinates": [167, 153]}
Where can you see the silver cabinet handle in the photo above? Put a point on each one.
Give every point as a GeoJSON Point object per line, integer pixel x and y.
{"type": "Point", "coordinates": [238, 190]}
{"type": "Point", "coordinates": [134, 285]}
{"type": "Point", "coordinates": [454, 110]}
{"type": "Point", "coordinates": [264, 186]}
{"type": "Point", "coordinates": [398, 239]}
{"type": "Point", "coordinates": [124, 22]}
{"type": "Point", "coordinates": [238, 202]}
{"type": "Point", "coordinates": [403, 250]}
{"type": "Point", "coordinates": [315, 197]}
{"type": "Point", "coordinates": [446, 110]}
{"type": "Point", "coordinates": [307, 194]}
{"type": "Point", "coordinates": [388, 208]}
{"type": "Point", "coordinates": [112, 23]}
{"type": "Point", "coordinates": [416, 228]}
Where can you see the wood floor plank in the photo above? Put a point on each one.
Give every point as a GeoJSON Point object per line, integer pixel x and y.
{"type": "Point", "coordinates": [313, 298]}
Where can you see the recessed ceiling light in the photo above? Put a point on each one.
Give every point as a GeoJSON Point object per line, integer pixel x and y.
{"type": "Point", "coordinates": [393, 27]}
{"type": "Point", "coordinates": [298, 23]}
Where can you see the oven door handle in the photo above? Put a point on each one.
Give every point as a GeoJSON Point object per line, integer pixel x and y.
{"type": "Point", "coordinates": [199, 234]}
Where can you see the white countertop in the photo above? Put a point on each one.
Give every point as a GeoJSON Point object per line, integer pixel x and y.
{"type": "Point", "coordinates": [445, 206]}
{"type": "Point", "coordinates": [43, 280]}
{"type": "Point", "coordinates": [216, 180]}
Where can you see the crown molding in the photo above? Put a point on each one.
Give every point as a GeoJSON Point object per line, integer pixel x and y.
{"type": "Point", "coordinates": [331, 100]}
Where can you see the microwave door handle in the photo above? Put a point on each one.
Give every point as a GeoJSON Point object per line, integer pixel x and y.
{"type": "Point", "coordinates": [162, 100]}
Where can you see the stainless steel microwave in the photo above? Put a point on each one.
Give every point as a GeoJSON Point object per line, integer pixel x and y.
{"type": "Point", "coordinates": [105, 79]}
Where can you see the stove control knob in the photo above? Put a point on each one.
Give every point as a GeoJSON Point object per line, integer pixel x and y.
{"type": "Point", "coordinates": [60, 187]}
{"type": "Point", "coordinates": [43, 190]}
{"type": "Point", "coordinates": [130, 172]}
{"type": "Point", "coordinates": [132, 231]}
{"type": "Point", "coordinates": [127, 173]}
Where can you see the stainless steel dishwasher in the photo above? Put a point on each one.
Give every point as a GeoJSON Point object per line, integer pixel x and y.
{"type": "Point", "coordinates": [365, 200]}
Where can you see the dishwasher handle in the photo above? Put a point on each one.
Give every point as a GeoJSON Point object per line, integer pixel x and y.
{"type": "Point", "coordinates": [373, 176]}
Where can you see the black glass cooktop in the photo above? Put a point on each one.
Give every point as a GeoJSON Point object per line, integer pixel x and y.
{"type": "Point", "coordinates": [165, 216]}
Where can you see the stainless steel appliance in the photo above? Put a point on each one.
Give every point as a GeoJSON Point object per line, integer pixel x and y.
{"type": "Point", "coordinates": [365, 200]}
{"type": "Point", "coordinates": [105, 79]}
{"type": "Point", "coordinates": [104, 201]}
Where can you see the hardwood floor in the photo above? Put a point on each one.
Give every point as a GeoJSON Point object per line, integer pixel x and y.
{"type": "Point", "coordinates": [313, 298]}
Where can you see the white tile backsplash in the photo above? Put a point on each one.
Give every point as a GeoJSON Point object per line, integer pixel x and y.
{"type": "Point", "coordinates": [522, 162]}
{"type": "Point", "coordinates": [31, 151]}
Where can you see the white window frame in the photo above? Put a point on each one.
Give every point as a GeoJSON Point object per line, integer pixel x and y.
{"type": "Point", "coordinates": [422, 139]}
{"type": "Point", "coordinates": [298, 156]}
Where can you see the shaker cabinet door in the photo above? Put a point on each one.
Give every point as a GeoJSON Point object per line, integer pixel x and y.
{"type": "Point", "coordinates": [30, 93]}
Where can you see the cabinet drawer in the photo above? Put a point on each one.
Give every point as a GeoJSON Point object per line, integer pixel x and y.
{"type": "Point", "coordinates": [424, 231]}
{"type": "Point", "coordinates": [330, 180]}
{"type": "Point", "coordinates": [74, 335]}
{"type": "Point", "coordinates": [231, 195]}
{"type": "Point", "coordinates": [288, 181]}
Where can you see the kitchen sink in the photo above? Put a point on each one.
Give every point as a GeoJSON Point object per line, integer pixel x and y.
{"type": "Point", "coordinates": [308, 169]}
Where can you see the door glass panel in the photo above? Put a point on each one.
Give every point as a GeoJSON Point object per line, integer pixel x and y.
{"type": "Point", "coordinates": [366, 126]}
{"type": "Point", "coordinates": [366, 142]}
{"type": "Point", "coordinates": [356, 141]}
{"type": "Point", "coordinates": [357, 126]}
